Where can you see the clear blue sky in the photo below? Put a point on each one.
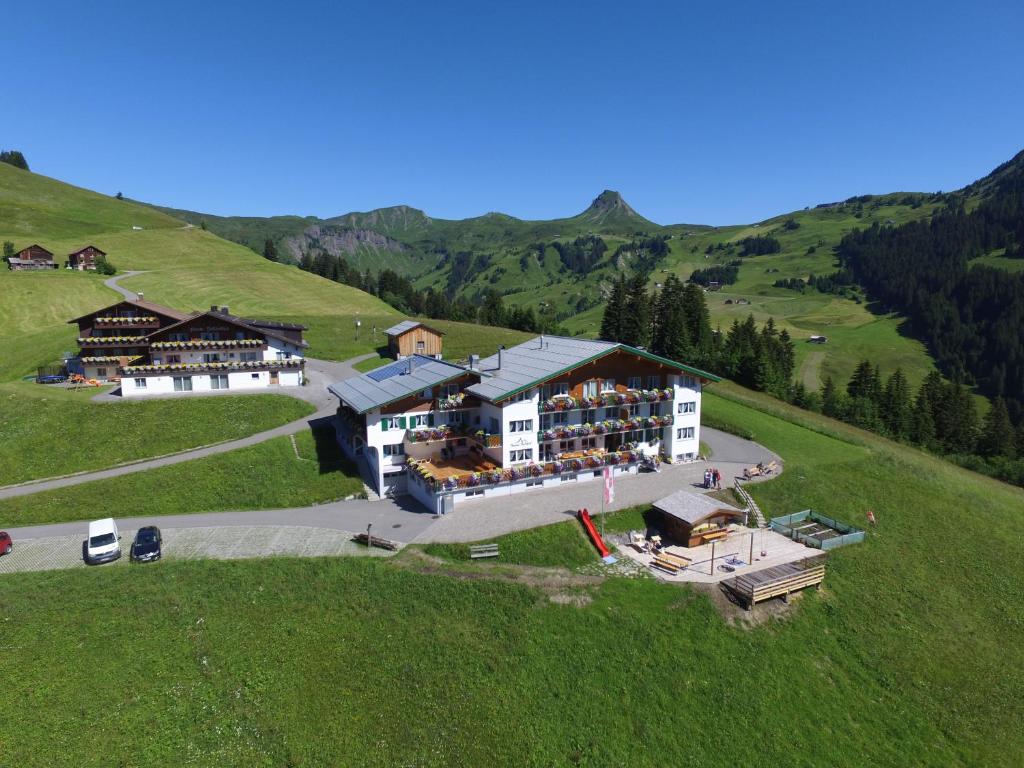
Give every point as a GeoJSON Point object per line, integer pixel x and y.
{"type": "Point", "coordinates": [697, 112]}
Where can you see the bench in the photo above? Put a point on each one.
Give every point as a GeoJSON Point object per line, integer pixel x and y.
{"type": "Point", "coordinates": [483, 550]}
{"type": "Point", "coordinates": [676, 560]}
{"type": "Point", "coordinates": [665, 564]}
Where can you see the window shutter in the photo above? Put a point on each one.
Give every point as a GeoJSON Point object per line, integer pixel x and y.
{"type": "Point", "coordinates": [430, 419]}
{"type": "Point", "coordinates": [402, 422]}
{"type": "Point", "coordinates": [385, 424]}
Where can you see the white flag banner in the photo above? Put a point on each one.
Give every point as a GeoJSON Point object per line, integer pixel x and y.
{"type": "Point", "coordinates": [609, 486]}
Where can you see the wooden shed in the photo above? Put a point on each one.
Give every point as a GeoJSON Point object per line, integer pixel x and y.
{"type": "Point", "coordinates": [693, 519]}
{"type": "Point", "coordinates": [412, 337]}
{"type": "Point", "coordinates": [33, 257]}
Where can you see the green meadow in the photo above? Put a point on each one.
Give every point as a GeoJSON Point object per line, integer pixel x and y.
{"type": "Point", "coordinates": [912, 653]}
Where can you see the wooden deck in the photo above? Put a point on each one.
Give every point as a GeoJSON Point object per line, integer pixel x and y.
{"type": "Point", "coordinates": [442, 469]}
{"type": "Point", "coordinates": [778, 581]}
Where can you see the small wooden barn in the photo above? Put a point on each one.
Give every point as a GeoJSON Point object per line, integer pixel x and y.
{"type": "Point", "coordinates": [85, 258]}
{"type": "Point", "coordinates": [693, 519]}
{"type": "Point", "coordinates": [411, 337]}
{"type": "Point", "coordinates": [33, 257]}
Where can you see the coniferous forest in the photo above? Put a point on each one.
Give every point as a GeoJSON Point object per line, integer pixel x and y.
{"type": "Point", "coordinates": [971, 316]}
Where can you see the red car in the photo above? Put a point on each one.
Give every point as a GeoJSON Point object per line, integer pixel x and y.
{"type": "Point", "coordinates": [6, 545]}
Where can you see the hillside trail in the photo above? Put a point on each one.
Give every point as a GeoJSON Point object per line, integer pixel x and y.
{"type": "Point", "coordinates": [810, 371]}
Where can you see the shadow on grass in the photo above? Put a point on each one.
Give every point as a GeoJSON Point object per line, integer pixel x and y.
{"type": "Point", "coordinates": [328, 452]}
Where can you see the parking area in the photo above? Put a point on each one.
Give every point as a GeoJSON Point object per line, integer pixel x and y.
{"type": "Point", "coordinates": [218, 543]}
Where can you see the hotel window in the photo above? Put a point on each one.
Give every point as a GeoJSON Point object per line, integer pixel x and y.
{"type": "Point", "coordinates": [101, 373]}
{"type": "Point", "coordinates": [171, 359]}
{"type": "Point", "coordinates": [140, 383]}
{"type": "Point", "coordinates": [523, 455]}
{"type": "Point", "coordinates": [588, 442]}
{"type": "Point", "coordinates": [655, 409]}
{"type": "Point", "coordinates": [526, 425]}
{"type": "Point", "coordinates": [545, 421]}
{"type": "Point", "coordinates": [653, 382]}
{"type": "Point", "coordinates": [561, 388]}
{"type": "Point", "coordinates": [177, 336]}
{"type": "Point", "coordinates": [560, 417]}
{"type": "Point", "coordinates": [450, 390]}
{"type": "Point", "coordinates": [684, 433]}
{"type": "Point", "coordinates": [590, 388]}
{"type": "Point", "coordinates": [633, 410]}
{"type": "Point", "coordinates": [634, 382]}
{"type": "Point", "coordinates": [219, 381]}
{"type": "Point", "coordinates": [182, 383]}
{"type": "Point", "coordinates": [421, 346]}
{"type": "Point", "coordinates": [588, 416]}
{"type": "Point", "coordinates": [211, 357]}
{"type": "Point", "coordinates": [239, 335]}
{"type": "Point", "coordinates": [521, 397]}
{"type": "Point", "coordinates": [566, 445]}
{"type": "Point", "coordinates": [690, 407]}
{"type": "Point", "coordinates": [248, 357]}
{"type": "Point", "coordinates": [608, 385]}
{"type": "Point", "coordinates": [393, 450]}
{"type": "Point", "coordinates": [611, 413]}
{"type": "Point", "coordinates": [495, 425]}
{"type": "Point", "coordinates": [255, 377]}
{"type": "Point", "coordinates": [208, 335]}
{"type": "Point", "coordinates": [687, 381]}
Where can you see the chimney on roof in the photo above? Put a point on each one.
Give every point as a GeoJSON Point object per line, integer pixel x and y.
{"type": "Point", "coordinates": [213, 307]}
{"type": "Point", "coordinates": [501, 348]}
{"type": "Point", "coordinates": [224, 310]}
{"type": "Point", "coordinates": [474, 361]}
{"type": "Point", "coordinates": [141, 295]}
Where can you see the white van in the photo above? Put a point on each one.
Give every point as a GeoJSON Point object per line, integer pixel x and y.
{"type": "Point", "coordinates": [103, 544]}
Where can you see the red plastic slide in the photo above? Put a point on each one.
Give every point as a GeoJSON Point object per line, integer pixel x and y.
{"type": "Point", "coordinates": [595, 537]}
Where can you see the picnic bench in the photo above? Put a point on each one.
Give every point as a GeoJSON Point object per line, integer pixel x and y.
{"type": "Point", "coordinates": [478, 551]}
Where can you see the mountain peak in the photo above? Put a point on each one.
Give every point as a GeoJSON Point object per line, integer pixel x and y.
{"type": "Point", "coordinates": [609, 201]}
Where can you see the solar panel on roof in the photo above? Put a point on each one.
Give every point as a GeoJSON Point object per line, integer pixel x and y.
{"type": "Point", "coordinates": [388, 371]}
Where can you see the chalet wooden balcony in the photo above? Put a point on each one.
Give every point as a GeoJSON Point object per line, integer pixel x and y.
{"type": "Point", "coordinates": [208, 344]}
{"type": "Point", "coordinates": [102, 359]}
{"type": "Point", "coordinates": [611, 427]}
{"type": "Point", "coordinates": [112, 341]}
{"type": "Point", "coordinates": [142, 321]}
{"type": "Point", "coordinates": [247, 365]}
{"type": "Point", "coordinates": [633, 397]}
{"type": "Point", "coordinates": [452, 432]}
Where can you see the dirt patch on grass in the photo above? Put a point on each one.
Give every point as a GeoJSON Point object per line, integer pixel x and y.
{"type": "Point", "coordinates": [736, 615]}
{"type": "Point", "coordinates": [561, 585]}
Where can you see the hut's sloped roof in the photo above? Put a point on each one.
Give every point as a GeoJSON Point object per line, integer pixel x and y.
{"type": "Point", "coordinates": [692, 508]}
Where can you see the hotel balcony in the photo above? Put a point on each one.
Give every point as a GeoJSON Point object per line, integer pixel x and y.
{"type": "Point", "coordinates": [142, 321]}
{"type": "Point", "coordinates": [87, 342]}
{"type": "Point", "coordinates": [611, 427]}
{"type": "Point", "coordinates": [171, 346]}
{"type": "Point", "coordinates": [633, 397]}
{"type": "Point", "coordinates": [184, 368]}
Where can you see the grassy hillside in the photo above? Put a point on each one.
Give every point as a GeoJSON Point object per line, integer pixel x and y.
{"type": "Point", "coordinates": [911, 655]}
{"type": "Point", "coordinates": [268, 475]}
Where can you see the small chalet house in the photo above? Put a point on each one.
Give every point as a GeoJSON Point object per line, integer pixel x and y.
{"type": "Point", "coordinates": [549, 411]}
{"type": "Point", "coordinates": [217, 350]}
{"type": "Point", "coordinates": [33, 257]}
{"type": "Point", "coordinates": [154, 349]}
{"type": "Point", "coordinates": [411, 337]}
{"type": "Point", "coordinates": [116, 335]}
{"type": "Point", "coordinates": [84, 258]}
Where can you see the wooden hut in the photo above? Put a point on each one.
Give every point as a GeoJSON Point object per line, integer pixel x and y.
{"type": "Point", "coordinates": [692, 519]}
{"type": "Point", "coordinates": [85, 258]}
{"type": "Point", "coordinates": [411, 337]}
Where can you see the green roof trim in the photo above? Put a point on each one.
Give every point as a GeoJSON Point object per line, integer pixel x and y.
{"type": "Point", "coordinates": [603, 353]}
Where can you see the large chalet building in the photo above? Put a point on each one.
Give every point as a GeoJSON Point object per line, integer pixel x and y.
{"type": "Point", "coordinates": [550, 411]}
{"type": "Point", "coordinates": [154, 349]}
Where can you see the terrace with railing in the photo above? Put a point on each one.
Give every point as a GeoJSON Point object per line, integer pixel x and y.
{"type": "Point", "coordinates": [610, 427]}
{"type": "Point", "coordinates": [449, 480]}
{"type": "Point", "coordinates": [633, 397]}
{"type": "Point", "coordinates": [207, 344]}
{"type": "Point", "coordinates": [112, 341]}
{"type": "Point", "coordinates": [215, 367]}
{"type": "Point", "coordinates": [452, 432]}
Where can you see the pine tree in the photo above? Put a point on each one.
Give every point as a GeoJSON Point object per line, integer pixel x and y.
{"type": "Point", "coordinates": [611, 322]}
{"type": "Point", "coordinates": [895, 406]}
{"type": "Point", "coordinates": [997, 435]}
{"type": "Point", "coordinates": [831, 405]}
{"type": "Point", "coordinates": [634, 325]}
{"type": "Point", "coordinates": [269, 250]}
{"type": "Point", "coordinates": [962, 421]}
{"type": "Point", "coordinates": [698, 323]}
{"type": "Point", "coordinates": [8, 249]}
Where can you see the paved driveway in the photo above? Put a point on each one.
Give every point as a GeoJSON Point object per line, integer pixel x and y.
{"type": "Point", "coordinates": [401, 520]}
